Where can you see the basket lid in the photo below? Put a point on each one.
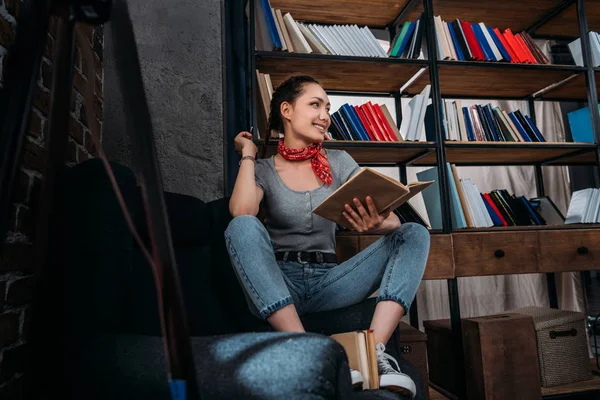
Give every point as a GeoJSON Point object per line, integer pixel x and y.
{"type": "Point", "coordinates": [544, 318]}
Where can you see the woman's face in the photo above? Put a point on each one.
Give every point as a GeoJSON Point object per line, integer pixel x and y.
{"type": "Point", "coordinates": [309, 116]}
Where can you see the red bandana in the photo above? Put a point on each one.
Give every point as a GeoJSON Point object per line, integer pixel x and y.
{"type": "Point", "coordinates": [319, 162]}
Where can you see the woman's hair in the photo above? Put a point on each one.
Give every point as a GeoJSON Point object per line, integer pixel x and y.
{"type": "Point", "coordinates": [288, 91]}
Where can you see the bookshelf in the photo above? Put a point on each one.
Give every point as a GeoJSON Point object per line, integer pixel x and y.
{"type": "Point", "coordinates": [460, 253]}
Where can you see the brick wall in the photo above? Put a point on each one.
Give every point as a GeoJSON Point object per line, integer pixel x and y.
{"type": "Point", "coordinates": [16, 289]}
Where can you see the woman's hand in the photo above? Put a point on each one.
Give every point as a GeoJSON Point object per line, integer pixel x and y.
{"type": "Point", "coordinates": [244, 145]}
{"type": "Point", "coordinates": [365, 220]}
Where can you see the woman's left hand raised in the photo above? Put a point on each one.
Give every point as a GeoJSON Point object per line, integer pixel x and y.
{"type": "Point", "coordinates": [365, 220]}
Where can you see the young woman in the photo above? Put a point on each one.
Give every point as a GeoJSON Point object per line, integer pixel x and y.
{"type": "Point", "coordinates": [288, 268]}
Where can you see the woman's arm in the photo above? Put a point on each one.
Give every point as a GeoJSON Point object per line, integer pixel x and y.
{"type": "Point", "coordinates": [246, 196]}
{"type": "Point", "coordinates": [390, 224]}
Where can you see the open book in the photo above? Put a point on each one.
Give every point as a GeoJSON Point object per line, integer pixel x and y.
{"type": "Point", "coordinates": [387, 194]}
{"type": "Point", "coordinates": [360, 349]}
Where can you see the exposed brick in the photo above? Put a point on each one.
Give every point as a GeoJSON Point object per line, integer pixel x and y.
{"type": "Point", "coordinates": [35, 125]}
{"type": "Point", "coordinates": [7, 32]}
{"type": "Point", "coordinates": [89, 144]}
{"type": "Point", "coordinates": [42, 101]}
{"type": "Point", "coordinates": [89, 32]}
{"type": "Point", "coordinates": [49, 47]}
{"type": "Point", "coordinates": [17, 257]}
{"type": "Point", "coordinates": [24, 223]}
{"type": "Point", "coordinates": [73, 100]}
{"type": "Point", "coordinates": [98, 43]}
{"type": "Point", "coordinates": [34, 195]}
{"type": "Point", "coordinates": [22, 185]}
{"type": "Point", "coordinates": [82, 155]}
{"type": "Point", "coordinates": [13, 362]}
{"type": "Point", "coordinates": [99, 88]}
{"type": "Point", "coordinates": [83, 115]}
{"type": "Point", "coordinates": [46, 74]}
{"type": "Point", "coordinates": [20, 291]}
{"type": "Point", "coordinates": [71, 151]}
{"type": "Point", "coordinates": [76, 130]}
{"type": "Point", "coordinates": [98, 107]}
{"type": "Point", "coordinates": [34, 156]}
{"type": "Point", "coordinates": [79, 82]}
{"type": "Point", "coordinates": [2, 294]}
{"type": "Point", "coordinates": [9, 328]}
{"type": "Point", "coordinates": [52, 27]}
{"type": "Point", "coordinates": [77, 57]}
{"type": "Point", "coordinates": [14, 7]}
{"type": "Point", "coordinates": [27, 322]}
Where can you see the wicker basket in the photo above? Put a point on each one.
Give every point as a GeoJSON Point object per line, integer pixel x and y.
{"type": "Point", "coordinates": [562, 345]}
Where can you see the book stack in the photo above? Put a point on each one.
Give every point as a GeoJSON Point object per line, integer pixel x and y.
{"type": "Point", "coordinates": [575, 48]}
{"type": "Point", "coordinates": [584, 207]}
{"type": "Point", "coordinates": [465, 41]}
{"type": "Point", "coordinates": [275, 31]}
{"type": "Point", "coordinates": [368, 121]}
{"type": "Point", "coordinates": [483, 123]}
{"type": "Point", "coordinates": [472, 209]}
{"type": "Point", "coordinates": [408, 41]}
{"type": "Point", "coordinates": [360, 349]}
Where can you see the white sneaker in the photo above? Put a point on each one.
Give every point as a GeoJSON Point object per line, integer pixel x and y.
{"type": "Point", "coordinates": [357, 379]}
{"type": "Point", "coordinates": [390, 378]}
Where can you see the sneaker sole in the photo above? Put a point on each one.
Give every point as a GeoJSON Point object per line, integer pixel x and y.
{"type": "Point", "coordinates": [407, 388]}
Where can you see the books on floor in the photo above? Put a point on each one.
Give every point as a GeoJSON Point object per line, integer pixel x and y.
{"type": "Point", "coordinates": [584, 207]}
{"type": "Point", "coordinates": [360, 349]}
{"type": "Point", "coordinates": [483, 123]}
{"type": "Point", "coordinates": [465, 41]}
{"type": "Point", "coordinates": [387, 194]}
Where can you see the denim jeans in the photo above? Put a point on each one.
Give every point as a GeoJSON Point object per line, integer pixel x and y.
{"type": "Point", "coordinates": [394, 264]}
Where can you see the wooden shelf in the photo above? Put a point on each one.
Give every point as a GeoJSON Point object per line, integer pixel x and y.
{"type": "Point", "coordinates": [573, 90]}
{"type": "Point", "coordinates": [377, 13]}
{"type": "Point", "coordinates": [528, 228]}
{"type": "Point", "coordinates": [494, 79]}
{"type": "Point", "coordinates": [343, 73]}
{"type": "Point", "coordinates": [417, 154]}
{"type": "Point", "coordinates": [514, 14]}
{"type": "Point", "coordinates": [566, 23]}
{"type": "Point", "coordinates": [503, 153]}
{"type": "Point", "coordinates": [577, 387]}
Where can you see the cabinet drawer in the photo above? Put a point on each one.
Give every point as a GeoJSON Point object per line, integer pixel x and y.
{"type": "Point", "coordinates": [495, 253]}
{"type": "Point", "coordinates": [569, 250]}
{"type": "Point", "coordinates": [440, 264]}
{"type": "Point", "coordinates": [345, 247]}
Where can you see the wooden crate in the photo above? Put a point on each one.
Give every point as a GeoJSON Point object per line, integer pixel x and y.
{"type": "Point", "coordinates": [500, 357]}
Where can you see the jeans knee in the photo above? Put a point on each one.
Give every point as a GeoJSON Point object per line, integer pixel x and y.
{"type": "Point", "coordinates": [242, 224]}
{"type": "Point", "coordinates": [415, 233]}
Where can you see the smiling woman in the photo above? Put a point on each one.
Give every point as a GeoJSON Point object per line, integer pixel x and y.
{"type": "Point", "coordinates": [287, 266]}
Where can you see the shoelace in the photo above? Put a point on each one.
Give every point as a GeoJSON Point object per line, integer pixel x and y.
{"type": "Point", "coordinates": [383, 361]}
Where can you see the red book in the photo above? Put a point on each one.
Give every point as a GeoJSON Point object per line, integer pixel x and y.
{"type": "Point", "coordinates": [510, 38]}
{"type": "Point", "coordinates": [472, 41]}
{"type": "Point", "coordinates": [384, 122]}
{"type": "Point", "coordinates": [365, 123]}
{"type": "Point", "coordinates": [493, 205]}
{"type": "Point", "coordinates": [513, 57]}
{"type": "Point", "coordinates": [374, 128]}
{"type": "Point", "coordinates": [382, 133]}
{"type": "Point", "coordinates": [525, 48]}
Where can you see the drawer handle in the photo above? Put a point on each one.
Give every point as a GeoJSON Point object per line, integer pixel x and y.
{"type": "Point", "coordinates": [582, 250]}
{"type": "Point", "coordinates": [499, 253]}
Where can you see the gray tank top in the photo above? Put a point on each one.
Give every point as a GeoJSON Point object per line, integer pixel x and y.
{"type": "Point", "coordinates": [288, 213]}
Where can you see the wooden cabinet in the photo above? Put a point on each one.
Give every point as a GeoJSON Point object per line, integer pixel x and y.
{"type": "Point", "coordinates": [484, 253]}
{"type": "Point", "coordinates": [575, 250]}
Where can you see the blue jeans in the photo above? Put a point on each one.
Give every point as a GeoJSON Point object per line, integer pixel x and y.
{"type": "Point", "coordinates": [394, 264]}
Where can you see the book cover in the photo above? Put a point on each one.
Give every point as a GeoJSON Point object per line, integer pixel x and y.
{"type": "Point", "coordinates": [387, 193]}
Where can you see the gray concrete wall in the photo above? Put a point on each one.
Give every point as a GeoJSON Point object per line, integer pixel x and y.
{"type": "Point", "coordinates": [180, 49]}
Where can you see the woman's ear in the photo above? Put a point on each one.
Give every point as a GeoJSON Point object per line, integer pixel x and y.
{"type": "Point", "coordinates": [286, 110]}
